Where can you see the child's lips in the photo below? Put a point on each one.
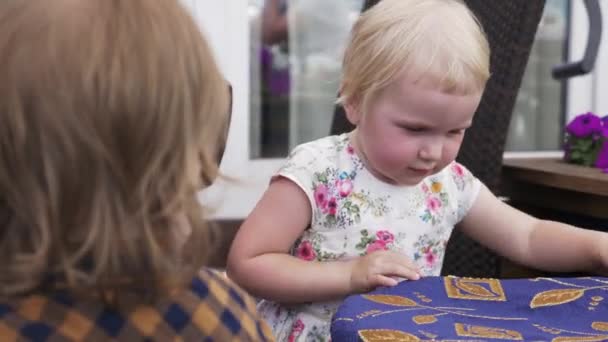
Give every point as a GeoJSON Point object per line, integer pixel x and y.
{"type": "Point", "coordinates": [420, 171]}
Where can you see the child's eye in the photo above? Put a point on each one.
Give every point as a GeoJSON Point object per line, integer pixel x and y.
{"type": "Point", "coordinates": [414, 129]}
{"type": "Point", "coordinates": [457, 131]}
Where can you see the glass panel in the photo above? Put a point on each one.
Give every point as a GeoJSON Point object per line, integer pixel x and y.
{"type": "Point", "coordinates": [538, 117]}
{"type": "Point", "coordinates": [296, 53]}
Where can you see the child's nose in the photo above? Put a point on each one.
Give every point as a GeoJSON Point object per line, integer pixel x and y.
{"type": "Point", "coordinates": [431, 151]}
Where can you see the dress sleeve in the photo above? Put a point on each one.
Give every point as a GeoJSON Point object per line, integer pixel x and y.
{"type": "Point", "coordinates": [467, 188]}
{"type": "Point", "coordinates": [300, 168]}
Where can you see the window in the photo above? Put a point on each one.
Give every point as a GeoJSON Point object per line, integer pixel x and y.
{"type": "Point", "coordinates": [295, 65]}
{"type": "Point", "coordinates": [540, 110]}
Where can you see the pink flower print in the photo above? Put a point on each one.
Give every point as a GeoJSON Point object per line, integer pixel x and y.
{"type": "Point", "coordinates": [377, 245]}
{"type": "Point", "coordinates": [332, 206]}
{"type": "Point", "coordinates": [458, 170]}
{"type": "Point", "coordinates": [433, 204]}
{"type": "Point", "coordinates": [425, 188]}
{"type": "Point", "coordinates": [385, 236]}
{"type": "Point", "coordinates": [296, 330]}
{"type": "Point", "coordinates": [350, 149]}
{"type": "Point", "coordinates": [305, 251]}
{"type": "Point", "coordinates": [430, 257]}
{"type": "Point", "coordinates": [345, 187]}
{"type": "Point", "coordinates": [321, 196]}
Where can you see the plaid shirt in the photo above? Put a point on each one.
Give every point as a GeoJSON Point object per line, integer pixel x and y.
{"type": "Point", "coordinates": [213, 309]}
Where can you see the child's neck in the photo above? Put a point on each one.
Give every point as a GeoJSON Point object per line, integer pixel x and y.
{"type": "Point", "coordinates": [354, 140]}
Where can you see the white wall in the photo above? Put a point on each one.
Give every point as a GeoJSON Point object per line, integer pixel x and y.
{"type": "Point", "coordinates": [226, 25]}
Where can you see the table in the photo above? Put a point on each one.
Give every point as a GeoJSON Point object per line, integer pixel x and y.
{"type": "Point", "coordinates": [551, 183]}
{"type": "Point", "coordinates": [470, 309]}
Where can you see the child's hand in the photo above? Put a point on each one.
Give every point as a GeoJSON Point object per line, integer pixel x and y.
{"type": "Point", "coordinates": [380, 269]}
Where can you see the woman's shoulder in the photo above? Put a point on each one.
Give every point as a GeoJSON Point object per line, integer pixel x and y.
{"type": "Point", "coordinates": [215, 285]}
{"type": "Point", "coordinates": [210, 306]}
{"type": "Point", "coordinates": [224, 310]}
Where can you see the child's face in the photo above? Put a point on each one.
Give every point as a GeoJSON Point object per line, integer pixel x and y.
{"type": "Point", "coordinates": [412, 130]}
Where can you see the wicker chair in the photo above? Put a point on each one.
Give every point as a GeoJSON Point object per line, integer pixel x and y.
{"type": "Point", "coordinates": [510, 27]}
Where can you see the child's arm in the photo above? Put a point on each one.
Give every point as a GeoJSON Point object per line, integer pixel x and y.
{"type": "Point", "coordinates": [545, 245]}
{"type": "Point", "coordinates": [259, 260]}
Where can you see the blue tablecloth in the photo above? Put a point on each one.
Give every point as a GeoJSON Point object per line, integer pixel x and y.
{"type": "Point", "coordinates": [468, 309]}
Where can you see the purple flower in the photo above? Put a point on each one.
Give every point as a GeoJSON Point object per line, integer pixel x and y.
{"type": "Point", "coordinates": [584, 125]}
{"type": "Point", "coordinates": [602, 157]}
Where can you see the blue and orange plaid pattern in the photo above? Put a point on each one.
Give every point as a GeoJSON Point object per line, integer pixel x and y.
{"type": "Point", "coordinates": [213, 309]}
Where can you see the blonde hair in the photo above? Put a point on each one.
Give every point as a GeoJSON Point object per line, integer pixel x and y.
{"type": "Point", "coordinates": [111, 113]}
{"type": "Point", "coordinates": [440, 39]}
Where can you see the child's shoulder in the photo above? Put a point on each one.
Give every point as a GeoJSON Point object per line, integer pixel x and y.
{"type": "Point", "coordinates": [331, 143]}
{"type": "Point", "coordinates": [326, 148]}
{"type": "Point", "coordinates": [451, 171]}
{"type": "Point", "coordinates": [454, 177]}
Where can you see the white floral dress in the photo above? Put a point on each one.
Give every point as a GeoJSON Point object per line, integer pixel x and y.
{"type": "Point", "coordinates": [353, 214]}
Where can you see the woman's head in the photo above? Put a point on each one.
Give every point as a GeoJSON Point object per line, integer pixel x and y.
{"type": "Point", "coordinates": [111, 113]}
{"type": "Point", "coordinates": [431, 39]}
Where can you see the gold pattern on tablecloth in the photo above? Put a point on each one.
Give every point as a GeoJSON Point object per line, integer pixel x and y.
{"type": "Point", "coordinates": [466, 330]}
{"type": "Point", "coordinates": [475, 289]}
{"type": "Point", "coordinates": [594, 303]}
{"type": "Point", "coordinates": [597, 338]}
{"type": "Point", "coordinates": [391, 300]}
{"type": "Point", "coordinates": [563, 296]}
{"type": "Point", "coordinates": [487, 290]}
{"type": "Point", "coordinates": [556, 297]}
{"type": "Point", "coordinates": [368, 313]}
{"type": "Point", "coordinates": [407, 304]}
{"type": "Point", "coordinates": [600, 326]}
{"type": "Point", "coordinates": [379, 335]}
{"type": "Point", "coordinates": [424, 319]}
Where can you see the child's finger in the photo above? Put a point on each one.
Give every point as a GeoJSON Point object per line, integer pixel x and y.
{"type": "Point", "coordinates": [401, 259]}
{"type": "Point", "coordinates": [407, 262]}
{"type": "Point", "coordinates": [401, 271]}
{"type": "Point", "coordinates": [381, 280]}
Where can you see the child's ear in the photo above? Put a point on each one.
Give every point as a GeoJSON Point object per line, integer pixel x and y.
{"type": "Point", "coordinates": [353, 112]}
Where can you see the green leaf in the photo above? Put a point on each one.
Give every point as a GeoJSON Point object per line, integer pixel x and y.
{"type": "Point", "coordinates": [585, 144]}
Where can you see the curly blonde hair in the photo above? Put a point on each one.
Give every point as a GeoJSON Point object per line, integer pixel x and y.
{"type": "Point", "coordinates": [111, 114]}
{"type": "Point", "coordinates": [437, 39]}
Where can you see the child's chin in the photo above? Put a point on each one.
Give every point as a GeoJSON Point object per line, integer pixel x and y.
{"type": "Point", "coordinates": [411, 181]}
